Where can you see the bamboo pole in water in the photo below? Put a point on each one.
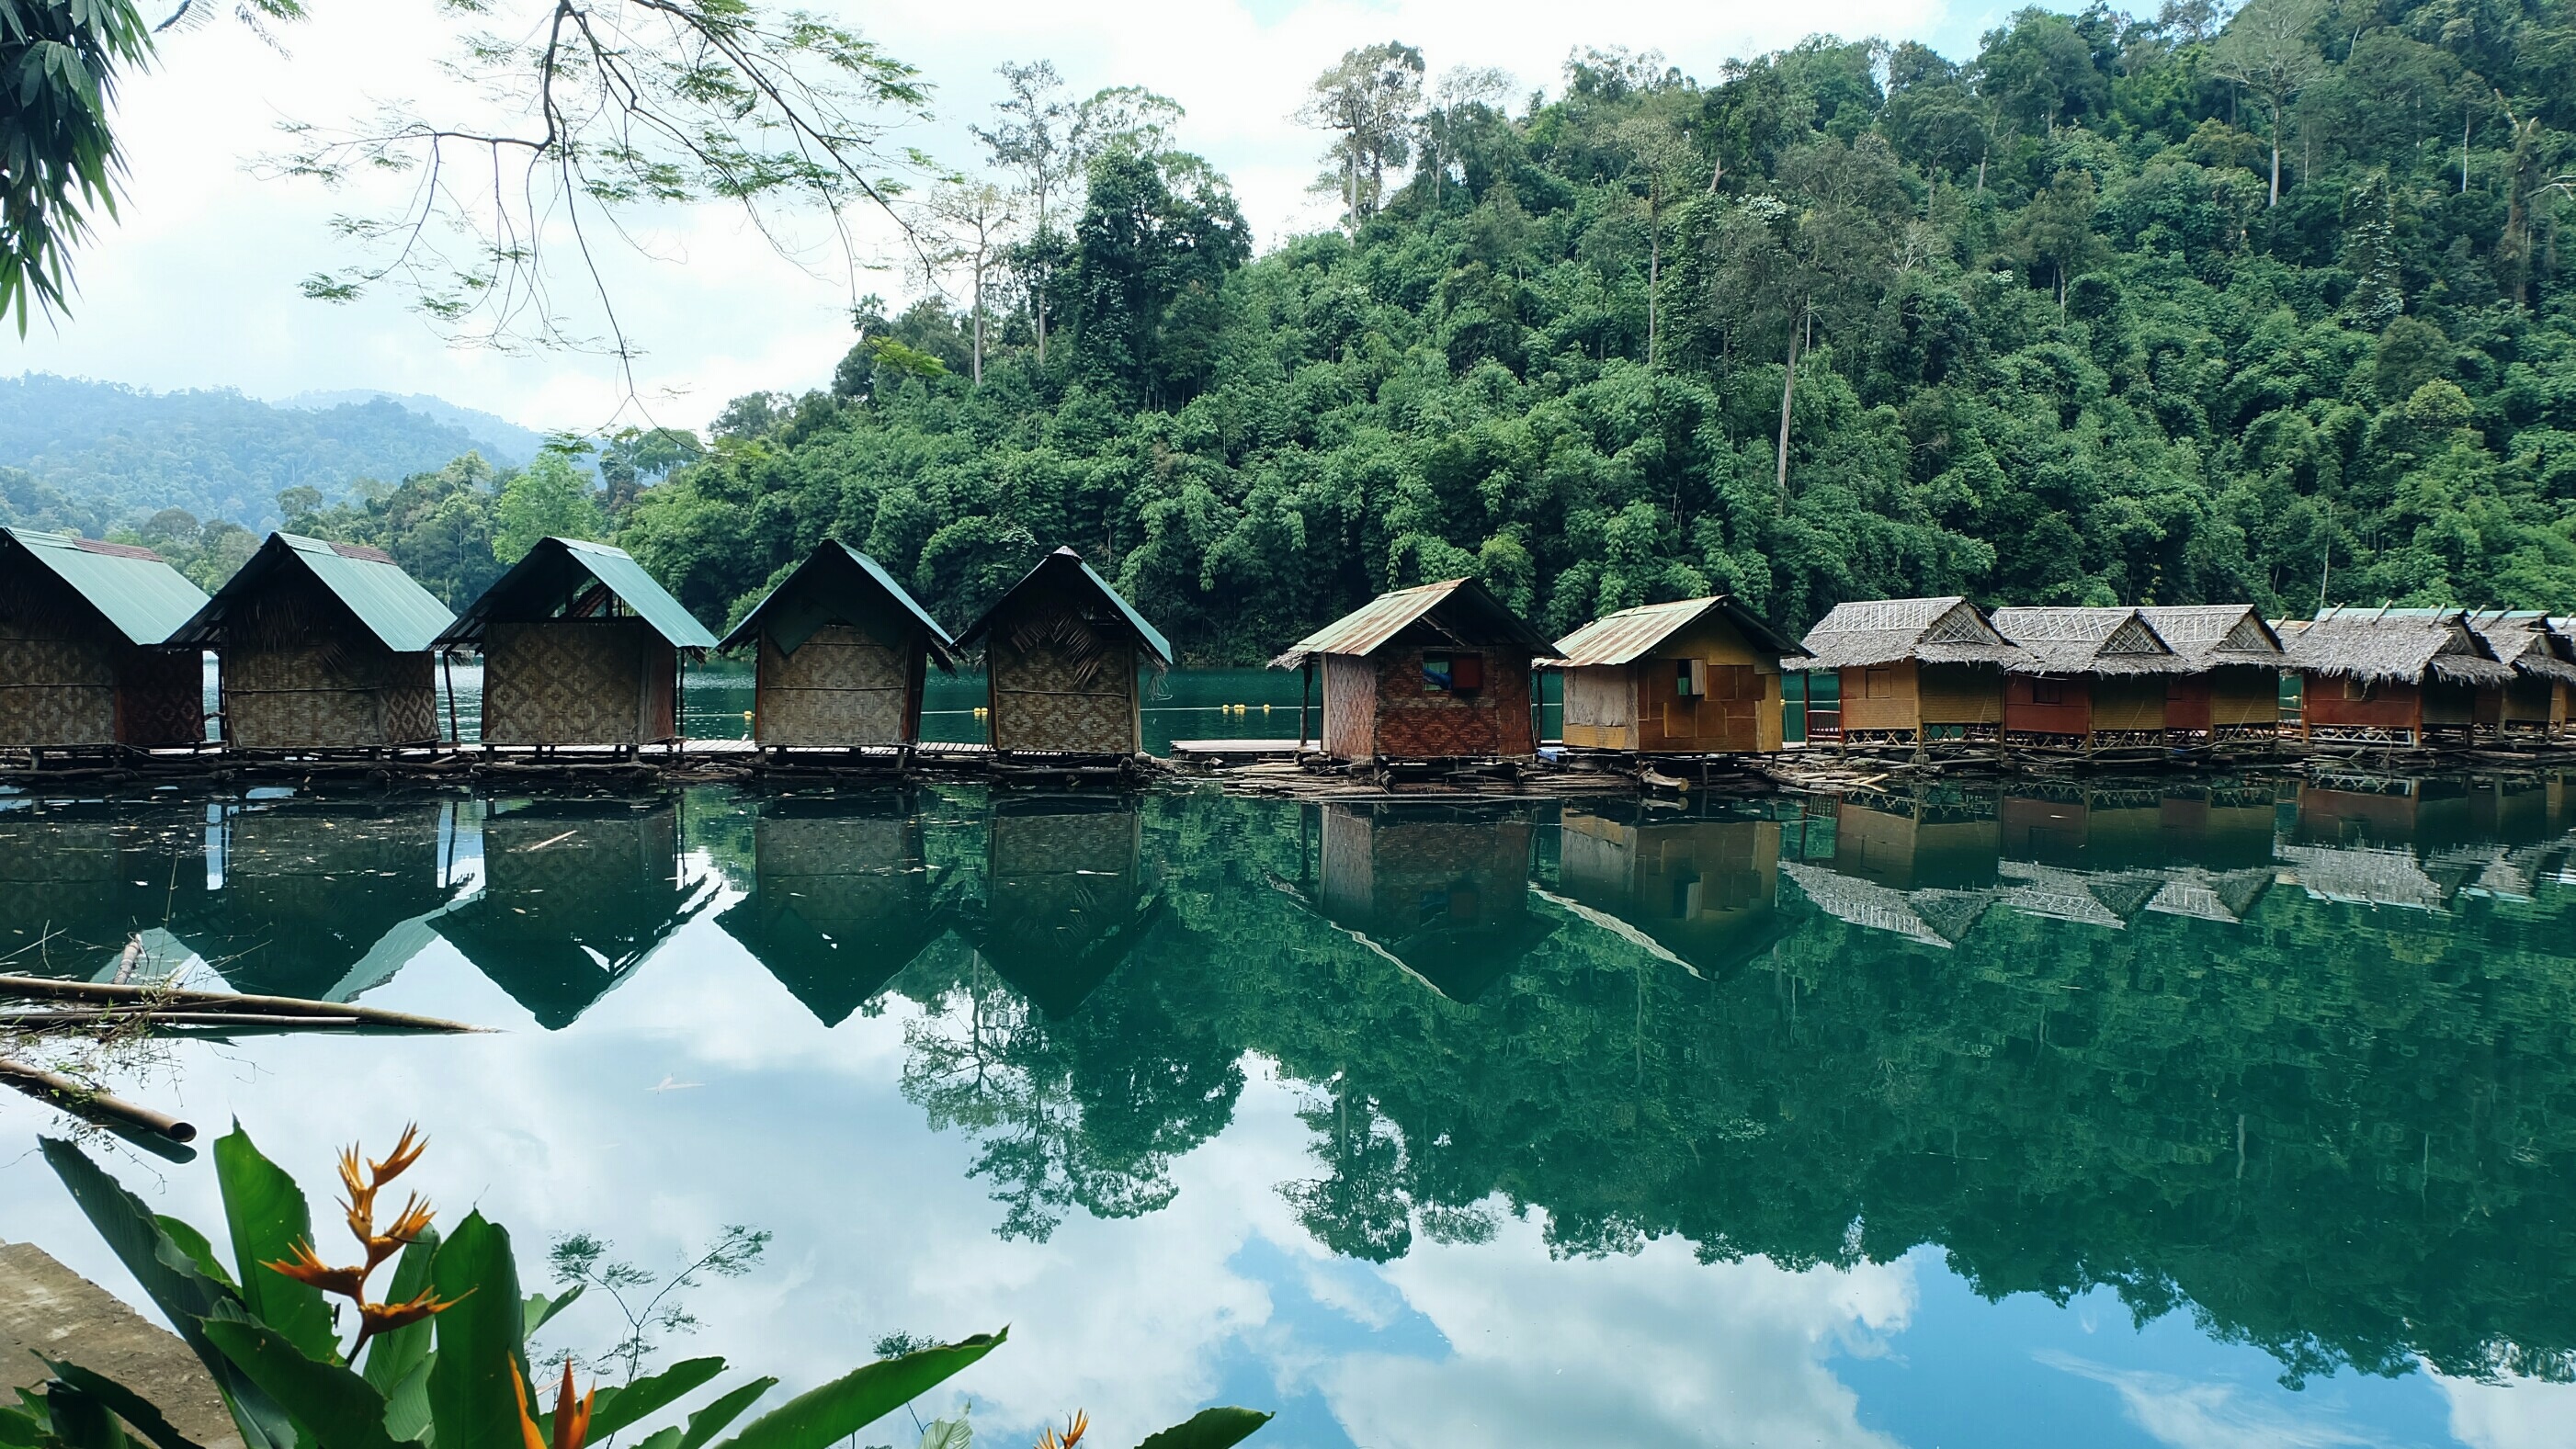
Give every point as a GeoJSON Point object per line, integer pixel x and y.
{"type": "Point", "coordinates": [169, 999]}
{"type": "Point", "coordinates": [73, 1097]}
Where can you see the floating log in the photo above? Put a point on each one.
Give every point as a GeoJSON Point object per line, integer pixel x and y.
{"type": "Point", "coordinates": [80, 1101]}
{"type": "Point", "coordinates": [163, 1000]}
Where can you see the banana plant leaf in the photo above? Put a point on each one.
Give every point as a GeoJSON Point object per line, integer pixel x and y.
{"type": "Point", "coordinates": [1209, 1429]}
{"type": "Point", "coordinates": [392, 1357]}
{"type": "Point", "coordinates": [481, 1357]}
{"type": "Point", "coordinates": [268, 1217]}
{"type": "Point", "coordinates": [340, 1409]}
{"type": "Point", "coordinates": [618, 1407]}
{"type": "Point", "coordinates": [137, 1411]}
{"type": "Point", "coordinates": [819, 1418]}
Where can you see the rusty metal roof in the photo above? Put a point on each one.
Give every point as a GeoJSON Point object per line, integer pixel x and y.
{"type": "Point", "coordinates": [1631, 634]}
{"type": "Point", "coordinates": [1369, 628]}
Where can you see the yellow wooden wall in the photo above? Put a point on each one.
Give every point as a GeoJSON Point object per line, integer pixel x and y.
{"type": "Point", "coordinates": [2128, 702]}
{"type": "Point", "coordinates": [1897, 708]}
{"type": "Point", "coordinates": [2244, 696]}
{"type": "Point", "coordinates": [1964, 694]}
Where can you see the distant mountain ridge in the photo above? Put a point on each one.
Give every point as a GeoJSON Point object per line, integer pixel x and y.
{"type": "Point", "coordinates": [218, 453]}
{"type": "Point", "coordinates": [502, 440]}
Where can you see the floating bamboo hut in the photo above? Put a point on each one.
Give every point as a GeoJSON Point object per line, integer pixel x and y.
{"type": "Point", "coordinates": [841, 899]}
{"type": "Point", "coordinates": [580, 647]}
{"type": "Point", "coordinates": [1061, 655]}
{"type": "Point", "coordinates": [83, 657]}
{"type": "Point", "coordinates": [2231, 685]}
{"type": "Point", "coordinates": [1436, 672]}
{"type": "Point", "coordinates": [2533, 704]}
{"type": "Point", "coordinates": [2089, 679]}
{"type": "Point", "coordinates": [1066, 899]}
{"type": "Point", "coordinates": [321, 646]}
{"type": "Point", "coordinates": [2406, 677]}
{"type": "Point", "coordinates": [1441, 891]}
{"type": "Point", "coordinates": [1698, 893]}
{"type": "Point", "coordinates": [1696, 677]}
{"type": "Point", "coordinates": [842, 652]}
{"type": "Point", "coordinates": [1914, 671]}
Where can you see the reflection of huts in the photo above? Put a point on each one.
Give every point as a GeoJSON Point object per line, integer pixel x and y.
{"type": "Point", "coordinates": [1061, 652]}
{"type": "Point", "coordinates": [1914, 671]}
{"type": "Point", "coordinates": [1438, 672]}
{"type": "Point", "coordinates": [843, 650]}
{"type": "Point", "coordinates": [1701, 890]}
{"type": "Point", "coordinates": [2090, 678]}
{"type": "Point", "coordinates": [321, 646]}
{"type": "Point", "coordinates": [580, 647]}
{"type": "Point", "coordinates": [83, 657]}
{"type": "Point", "coordinates": [2364, 876]}
{"type": "Point", "coordinates": [1931, 917]}
{"type": "Point", "coordinates": [576, 894]}
{"type": "Point", "coordinates": [2084, 828]}
{"type": "Point", "coordinates": [1701, 676]}
{"type": "Point", "coordinates": [2109, 899]}
{"type": "Point", "coordinates": [78, 880]}
{"type": "Point", "coordinates": [1065, 896]}
{"type": "Point", "coordinates": [2390, 676]}
{"type": "Point", "coordinates": [2534, 701]}
{"type": "Point", "coordinates": [1909, 843]}
{"type": "Point", "coordinates": [2226, 897]}
{"type": "Point", "coordinates": [840, 899]}
{"type": "Point", "coordinates": [2231, 684]}
{"type": "Point", "coordinates": [306, 892]}
{"type": "Point", "coordinates": [1442, 892]}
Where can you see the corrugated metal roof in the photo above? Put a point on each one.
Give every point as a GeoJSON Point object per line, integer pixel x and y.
{"type": "Point", "coordinates": [1058, 562]}
{"type": "Point", "coordinates": [392, 605]}
{"type": "Point", "coordinates": [614, 568]}
{"type": "Point", "coordinates": [145, 598]}
{"type": "Point", "coordinates": [749, 628]}
{"type": "Point", "coordinates": [1369, 627]}
{"type": "Point", "coordinates": [1631, 634]}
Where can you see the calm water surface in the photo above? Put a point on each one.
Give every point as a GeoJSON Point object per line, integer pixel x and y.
{"type": "Point", "coordinates": [2208, 1117]}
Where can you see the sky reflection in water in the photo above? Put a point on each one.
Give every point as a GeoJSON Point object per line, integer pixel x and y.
{"type": "Point", "coordinates": [1549, 1124]}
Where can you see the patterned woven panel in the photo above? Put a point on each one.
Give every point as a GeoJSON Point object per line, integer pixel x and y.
{"type": "Point", "coordinates": [1350, 707]}
{"type": "Point", "coordinates": [563, 682]}
{"type": "Point", "coordinates": [1042, 704]}
{"type": "Point", "coordinates": [163, 698]}
{"type": "Point", "coordinates": [55, 689]}
{"type": "Point", "coordinates": [1100, 842]}
{"type": "Point", "coordinates": [790, 848]}
{"type": "Point", "coordinates": [609, 883]}
{"type": "Point", "coordinates": [1494, 720]}
{"type": "Point", "coordinates": [1059, 883]}
{"type": "Point", "coordinates": [292, 699]}
{"type": "Point", "coordinates": [840, 688]}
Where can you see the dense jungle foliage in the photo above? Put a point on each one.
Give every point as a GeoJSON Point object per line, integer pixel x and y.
{"type": "Point", "coordinates": [2054, 342]}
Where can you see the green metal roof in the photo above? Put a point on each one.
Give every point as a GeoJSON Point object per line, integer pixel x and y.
{"type": "Point", "coordinates": [138, 592]}
{"type": "Point", "coordinates": [797, 607]}
{"type": "Point", "coordinates": [1057, 563]}
{"type": "Point", "coordinates": [403, 616]}
{"type": "Point", "coordinates": [542, 580]}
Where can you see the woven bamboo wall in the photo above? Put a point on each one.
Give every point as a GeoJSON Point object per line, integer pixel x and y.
{"type": "Point", "coordinates": [2242, 695]}
{"type": "Point", "coordinates": [576, 682]}
{"type": "Point", "coordinates": [2129, 702]}
{"type": "Point", "coordinates": [1413, 724]}
{"type": "Point", "coordinates": [1960, 694]}
{"type": "Point", "coordinates": [1045, 701]}
{"type": "Point", "coordinates": [840, 688]}
{"type": "Point", "coordinates": [57, 683]}
{"type": "Point", "coordinates": [1058, 884]}
{"type": "Point", "coordinates": [351, 694]}
{"type": "Point", "coordinates": [1895, 705]}
{"type": "Point", "coordinates": [1350, 707]}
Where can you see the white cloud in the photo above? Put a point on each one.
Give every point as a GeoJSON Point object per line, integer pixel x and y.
{"type": "Point", "coordinates": [2191, 1415]}
{"type": "Point", "coordinates": [2513, 1414]}
{"type": "Point", "coordinates": [197, 286]}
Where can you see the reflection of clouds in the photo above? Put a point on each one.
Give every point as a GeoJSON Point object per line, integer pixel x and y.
{"type": "Point", "coordinates": [2191, 1415]}
{"type": "Point", "coordinates": [2515, 1414]}
{"type": "Point", "coordinates": [1651, 1349]}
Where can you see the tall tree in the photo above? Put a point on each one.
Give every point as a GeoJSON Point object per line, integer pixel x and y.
{"type": "Point", "coordinates": [1371, 101]}
{"type": "Point", "coordinates": [1031, 139]}
{"type": "Point", "coordinates": [2270, 49]}
{"type": "Point", "coordinates": [965, 225]}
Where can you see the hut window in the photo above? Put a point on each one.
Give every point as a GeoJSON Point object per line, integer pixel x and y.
{"type": "Point", "coordinates": [2047, 691]}
{"type": "Point", "coordinates": [1878, 684]}
{"type": "Point", "coordinates": [1690, 678]}
{"type": "Point", "coordinates": [1452, 673]}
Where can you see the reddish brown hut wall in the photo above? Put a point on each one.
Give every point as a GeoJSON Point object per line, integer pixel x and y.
{"type": "Point", "coordinates": [579, 682]}
{"type": "Point", "coordinates": [1381, 706]}
{"type": "Point", "coordinates": [2048, 706]}
{"type": "Point", "coordinates": [840, 688]}
{"type": "Point", "coordinates": [2330, 701]}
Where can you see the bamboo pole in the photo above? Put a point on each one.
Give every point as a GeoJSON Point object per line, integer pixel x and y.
{"type": "Point", "coordinates": [73, 1097]}
{"type": "Point", "coordinates": [161, 998]}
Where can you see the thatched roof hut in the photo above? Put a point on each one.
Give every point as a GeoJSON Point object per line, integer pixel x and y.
{"type": "Point", "coordinates": [83, 653]}
{"type": "Point", "coordinates": [580, 647]}
{"type": "Point", "coordinates": [1438, 671]}
{"type": "Point", "coordinates": [1061, 651]}
{"type": "Point", "coordinates": [1697, 676]}
{"type": "Point", "coordinates": [1912, 670]}
{"type": "Point", "coordinates": [2089, 676]}
{"type": "Point", "coordinates": [2543, 660]}
{"type": "Point", "coordinates": [2212, 636]}
{"type": "Point", "coordinates": [2233, 689]}
{"type": "Point", "coordinates": [2391, 676]}
{"type": "Point", "coordinates": [842, 654]}
{"type": "Point", "coordinates": [2097, 641]}
{"type": "Point", "coordinates": [322, 645]}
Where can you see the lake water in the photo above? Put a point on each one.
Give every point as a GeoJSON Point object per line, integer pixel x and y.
{"type": "Point", "coordinates": [2226, 1116]}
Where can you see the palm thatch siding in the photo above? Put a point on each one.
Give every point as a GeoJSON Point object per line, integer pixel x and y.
{"type": "Point", "coordinates": [842, 652]}
{"type": "Point", "coordinates": [1699, 676]}
{"type": "Point", "coordinates": [580, 647]}
{"type": "Point", "coordinates": [82, 658]}
{"type": "Point", "coordinates": [1914, 670]}
{"type": "Point", "coordinates": [1703, 890]}
{"type": "Point", "coordinates": [2233, 689]}
{"type": "Point", "coordinates": [1436, 672]}
{"type": "Point", "coordinates": [2535, 701]}
{"type": "Point", "coordinates": [322, 645]}
{"type": "Point", "coordinates": [1066, 899]}
{"type": "Point", "coordinates": [2391, 676]}
{"type": "Point", "coordinates": [1062, 653]}
{"type": "Point", "coordinates": [2090, 677]}
{"type": "Point", "coordinates": [1441, 892]}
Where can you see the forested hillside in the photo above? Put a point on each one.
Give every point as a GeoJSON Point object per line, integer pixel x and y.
{"type": "Point", "coordinates": [2054, 339]}
{"type": "Point", "coordinates": [123, 453]}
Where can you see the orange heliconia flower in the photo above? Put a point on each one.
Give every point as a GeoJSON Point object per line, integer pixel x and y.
{"type": "Point", "coordinates": [363, 1179]}
{"type": "Point", "coordinates": [572, 1417]}
{"type": "Point", "coordinates": [1074, 1429]}
{"type": "Point", "coordinates": [308, 1267]}
{"type": "Point", "coordinates": [375, 1318]}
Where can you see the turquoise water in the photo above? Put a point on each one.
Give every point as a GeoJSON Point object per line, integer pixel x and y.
{"type": "Point", "coordinates": [2209, 1116]}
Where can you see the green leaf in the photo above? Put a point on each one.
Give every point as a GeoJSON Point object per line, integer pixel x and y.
{"type": "Point", "coordinates": [79, 1421]}
{"type": "Point", "coordinates": [407, 1406]}
{"type": "Point", "coordinates": [821, 1417]}
{"type": "Point", "coordinates": [392, 1357]}
{"type": "Point", "coordinates": [473, 1401]}
{"type": "Point", "coordinates": [540, 1310]}
{"type": "Point", "coordinates": [618, 1407]}
{"type": "Point", "coordinates": [661, 1439]}
{"type": "Point", "coordinates": [20, 1429]}
{"type": "Point", "coordinates": [123, 1402]}
{"type": "Point", "coordinates": [199, 1251]}
{"type": "Point", "coordinates": [175, 1278]}
{"type": "Point", "coordinates": [268, 1217]}
{"type": "Point", "coordinates": [947, 1434]}
{"type": "Point", "coordinates": [1209, 1429]}
{"type": "Point", "coordinates": [340, 1409]}
{"type": "Point", "coordinates": [710, 1421]}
